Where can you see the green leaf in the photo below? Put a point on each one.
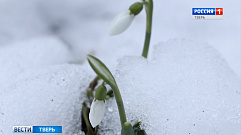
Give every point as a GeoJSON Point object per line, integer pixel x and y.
{"type": "Point", "coordinates": [141, 132]}
{"type": "Point", "coordinates": [101, 70]}
{"type": "Point", "coordinates": [138, 130]}
{"type": "Point", "coordinates": [86, 120]}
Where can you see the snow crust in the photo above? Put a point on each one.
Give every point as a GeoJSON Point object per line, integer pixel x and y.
{"type": "Point", "coordinates": [186, 88]}
{"type": "Point", "coordinates": [51, 96]}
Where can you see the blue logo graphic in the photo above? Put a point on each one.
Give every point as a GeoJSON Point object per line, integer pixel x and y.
{"type": "Point", "coordinates": [47, 129]}
{"type": "Point", "coordinates": [203, 11]}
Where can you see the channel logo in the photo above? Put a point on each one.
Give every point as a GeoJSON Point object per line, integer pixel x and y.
{"type": "Point", "coordinates": [207, 13]}
{"type": "Point", "coordinates": [22, 129]}
{"type": "Point", "coordinates": [37, 129]}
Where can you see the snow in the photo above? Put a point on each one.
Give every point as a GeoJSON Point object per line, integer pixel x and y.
{"type": "Point", "coordinates": [35, 53]}
{"type": "Point", "coordinates": [49, 96]}
{"type": "Point", "coordinates": [186, 88]}
{"type": "Point", "coordinates": [39, 87]}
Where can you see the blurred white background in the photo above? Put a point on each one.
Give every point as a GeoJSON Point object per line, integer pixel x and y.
{"type": "Point", "coordinates": [83, 25]}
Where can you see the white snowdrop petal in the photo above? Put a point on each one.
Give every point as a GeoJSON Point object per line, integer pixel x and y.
{"type": "Point", "coordinates": [97, 111]}
{"type": "Point", "coordinates": [121, 22]}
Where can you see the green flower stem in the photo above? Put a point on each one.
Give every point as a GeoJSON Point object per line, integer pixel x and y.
{"type": "Point", "coordinates": [103, 83]}
{"type": "Point", "coordinates": [149, 11]}
{"type": "Point", "coordinates": [120, 104]}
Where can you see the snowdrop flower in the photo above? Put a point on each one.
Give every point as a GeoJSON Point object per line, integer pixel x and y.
{"type": "Point", "coordinates": [124, 19]}
{"type": "Point", "coordinates": [121, 22]}
{"type": "Point", "coordinates": [97, 109]}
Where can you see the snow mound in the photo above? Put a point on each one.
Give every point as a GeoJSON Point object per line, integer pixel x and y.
{"type": "Point", "coordinates": [35, 53]}
{"type": "Point", "coordinates": [51, 96]}
{"type": "Point", "coordinates": [186, 88]}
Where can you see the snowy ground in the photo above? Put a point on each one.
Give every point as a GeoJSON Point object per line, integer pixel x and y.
{"type": "Point", "coordinates": [186, 86]}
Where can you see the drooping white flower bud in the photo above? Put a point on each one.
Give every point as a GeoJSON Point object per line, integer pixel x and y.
{"type": "Point", "coordinates": [121, 22]}
{"type": "Point", "coordinates": [97, 111]}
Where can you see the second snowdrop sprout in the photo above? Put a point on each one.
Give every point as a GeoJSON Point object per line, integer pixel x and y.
{"type": "Point", "coordinates": [104, 73]}
{"type": "Point", "coordinates": [98, 105]}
